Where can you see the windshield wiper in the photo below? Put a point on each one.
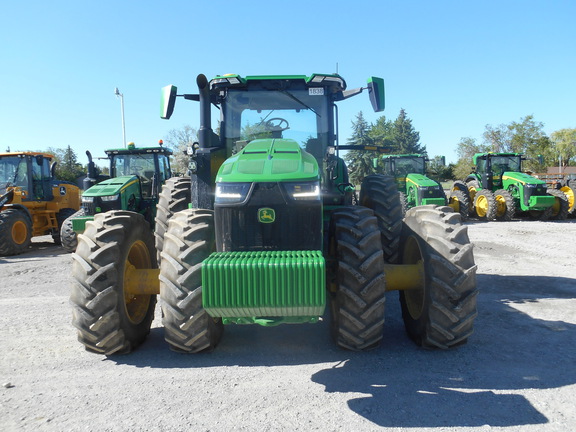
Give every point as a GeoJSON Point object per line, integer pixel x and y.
{"type": "Point", "coordinates": [291, 96]}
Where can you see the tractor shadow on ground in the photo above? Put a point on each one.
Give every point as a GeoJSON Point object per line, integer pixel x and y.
{"type": "Point", "coordinates": [405, 386]}
{"type": "Point", "coordinates": [473, 385]}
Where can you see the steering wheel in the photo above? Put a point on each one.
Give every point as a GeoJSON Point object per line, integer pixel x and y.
{"type": "Point", "coordinates": [277, 124]}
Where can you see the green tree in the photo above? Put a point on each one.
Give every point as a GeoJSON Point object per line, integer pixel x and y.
{"type": "Point", "coordinates": [360, 162]}
{"type": "Point", "coordinates": [178, 140]}
{"type": "Point", "coordinates": [437, 169]}
{"type": "Point", "coordinates": [564, 146]}
{"type": "Point", "coordinates": [465, 149]}
{"type": "Point", "coordinates": [67, 167]}
{"type": "Point", "coordinates": [528, 138]}
{"type": "Point", "coordinates": [406, 138]}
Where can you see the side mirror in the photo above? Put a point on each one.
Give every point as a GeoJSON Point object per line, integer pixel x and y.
{"type": "Point", "coordinates": [375, 163]}
{"type": "Point", "coordinates": [376, 93]}
{"type": "Point", "coordinates": [167, 101]}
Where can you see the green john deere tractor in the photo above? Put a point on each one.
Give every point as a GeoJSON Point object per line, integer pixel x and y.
{"type": "Point", "coordinates": [416, 189]}
{"type": "Point", "coordinates": [136, 176]}
{"type": "Point", "coordinates": [499, 190]}
{"type": "Point", "coordinates": [274, 234]}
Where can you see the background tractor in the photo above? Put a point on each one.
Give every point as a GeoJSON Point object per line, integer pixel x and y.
{"type": "Point", "coordinates": [32, 201]}
{"type": "Point", "coordinates": [274, 234]}
{"type": "Point", "coordinates": [416, 189]}
{"type": "Point", "coordinates": [499, 190]}
{"type": "Point", "coordinates": [565, 183]}
{"type": "Point", "coordinates": [136, 177]}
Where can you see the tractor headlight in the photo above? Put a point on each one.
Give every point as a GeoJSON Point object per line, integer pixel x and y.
{"type": "Point", "coordinates": [231, 192]}
{"type": "Point", "coordinates": [110, 197]}
{"type": "Point", "coordinates": [88, 199]}
{"type": "Point", "coordinates": [303, 191]}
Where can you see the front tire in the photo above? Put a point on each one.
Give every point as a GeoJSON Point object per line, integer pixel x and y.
{"type": "Point", "coordinates": [358, 291]}
{"type": "Point", "coordinates": [441, 313]}
{"type": "Point", "coordinates": [459, 202]}
{"type": "Point", "coordinates": [15, 232]}
{"type": "Point", "coordinates": [505, 205]}
{"type": "Point", "coordinates": [110, 320]}
{"type": "Point", "coordinates": [68, 237]}
{"type": "Point", "coordinates": [188, 241]}
{"type": "Point", "coordinates": [485, 205]}
{"type": "Point", "coordinates": [61, 217]}
{"type": "Point", "coordinates": [559, 211]}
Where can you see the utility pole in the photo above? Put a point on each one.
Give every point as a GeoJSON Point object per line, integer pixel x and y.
{"type": "Point", "coordinates": [121, 96]}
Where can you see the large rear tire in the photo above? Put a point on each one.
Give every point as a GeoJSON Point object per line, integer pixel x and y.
{"type": "Point", "coordinates": [359, 286]}
{"type": "Point", "coordinates": [505, 205]}
{"type": "Point", "coordinates": [110, 320]}
{"type": "Point", "coordinates": [379, 193]}
{"type": "Point", "coordinates": [188, 241]}
{"type": "Point", "coordinates": [68, 237]}
{"type": "Point", "coordinates": [15, 232]}
{"type": "Point", "coordinates": [174, 197]}
{"type": "Point", "coordinates": [441, 313]}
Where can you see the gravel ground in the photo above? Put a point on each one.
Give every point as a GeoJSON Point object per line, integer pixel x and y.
{"type": "Point", "coordinates": [517, 372]}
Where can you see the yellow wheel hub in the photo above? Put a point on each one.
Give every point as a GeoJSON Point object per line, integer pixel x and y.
{"type": "Point", "coordinates": [414, 297]}
{"type": "Point", "coordinates": [569, 192]}
{"type": "Point", "coordinates": [136, 304]}
{"type": "Point", "coordinates": [500, 205]}
{"type": "Point", "coordinates": [481, 206]}
{"type": "Point", "coordinates": [454, 204]}
{"type": "Point", "coordinates": [19, 232]}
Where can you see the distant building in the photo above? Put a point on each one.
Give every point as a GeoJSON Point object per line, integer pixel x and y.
{"type": "Point", "coordinates": [565, 170]}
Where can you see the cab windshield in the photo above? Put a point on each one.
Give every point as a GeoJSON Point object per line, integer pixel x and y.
{"type": "Point", "coordinates": [405, 166]}
{"type": "Point", "coordinates": [300, 115]}
{"type": "Point", "coordinates": [12, 170]}
{"type": "Point", "coordinates": [501, 164]}
{"type": "Point", "coordinates": [133, 164]}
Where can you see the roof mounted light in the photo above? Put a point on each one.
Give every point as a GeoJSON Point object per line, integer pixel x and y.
{"type": "Point", "coordinates": [227, 80]}
{"type": "Point", "coordinates": [319, 78]}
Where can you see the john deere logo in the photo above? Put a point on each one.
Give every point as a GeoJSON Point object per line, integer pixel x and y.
{"type": "Point", "coordinates": [266, 215]}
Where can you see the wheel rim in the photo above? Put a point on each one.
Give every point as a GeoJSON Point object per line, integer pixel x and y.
{"type": "Point", "coordinates": [454, 204]}
{"type": "Point", "coordinates": [500, 205]}
{"type": "Point", "coordinates": [137, 305]}
{"type": "Point", "coordinates": [414, 297]}
{"type": "Point", "coordinates": [19, 232]}
{"type": "Point", "coordinates": [481, 206]}
{"type": "Point", "coordinates": [570, 195]}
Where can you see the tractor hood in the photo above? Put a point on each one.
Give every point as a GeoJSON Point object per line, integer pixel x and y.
{"type": "Point", "coordinates": [521, 178]}
{"type": "Point", "coordinates": [269, 160]}
{"type": "Point", "coordinates": [111, 186]}
{"type": "Point", "coordinates": [420, 180]}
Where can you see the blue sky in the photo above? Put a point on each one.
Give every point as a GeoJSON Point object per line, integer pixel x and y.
{"type": "Point", "coordinates": [454, 66]}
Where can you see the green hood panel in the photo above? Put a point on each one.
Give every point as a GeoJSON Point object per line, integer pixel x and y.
{"type": "Point", "coordinates": [111, 186]}
{"type": "Point", "coordinates": [420, 180]}
{"type": "Point", "coordinates": [269, 160]}
{"type": "Point", "coordinates": [515, 177]}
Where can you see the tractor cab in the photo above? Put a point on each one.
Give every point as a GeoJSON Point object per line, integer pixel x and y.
{"type": "Point", "coordinates": [490, 167]}
{"type": "Point", "coordinates": [136, 178]}
{"type": "Point", "coordinates": [274, 128]}
{"type": "Point", "coordinates": [28, 171]}
{"type": "Point", "coordinates": [150, 165]}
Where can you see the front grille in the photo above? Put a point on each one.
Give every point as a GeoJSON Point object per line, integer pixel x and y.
{"type": "Point", "coordinates": [297, 224]}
